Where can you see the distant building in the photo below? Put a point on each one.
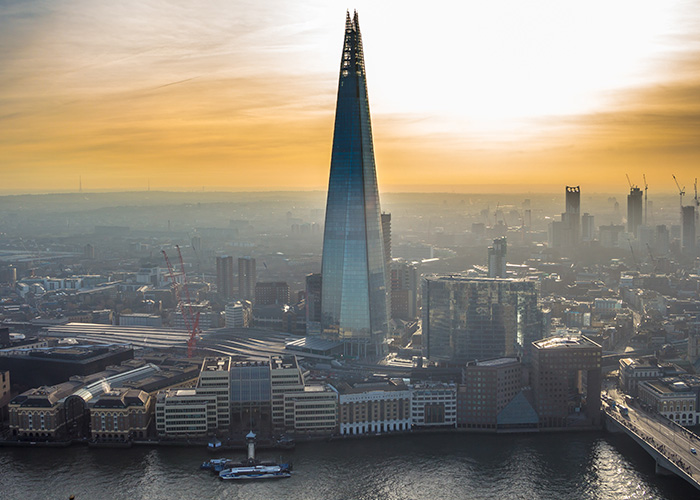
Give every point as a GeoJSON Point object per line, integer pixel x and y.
{"type": "Point", "coordinates": [497, 258]}
{"type": "Point", "coordinates": [224, 276]}
{"type": "Point", "coordinates": [587, 227]}
{"type": "Point", "coordinates": [566, 380]}
{"type": "Point", "coordinates": [139, 319]}
{"type": "Point", "coordinates": [271, 293]}
{"type": "Point", "coordinates": [404, 290]}
{"type": "Point", "coordinates": [313, 303]}
{"type": "Point", "coordinates": [634, 210]}
{"type": "Point", "coordinates": [688, 229]}
{"type": "Point", "coordinates": [610, 236]}
{"type": "Point", "coordinates": [247, 278]}
{"type": "Point", "coordinates": [238, 314]}
{"type": "Point", "coordinates": [468, 318]}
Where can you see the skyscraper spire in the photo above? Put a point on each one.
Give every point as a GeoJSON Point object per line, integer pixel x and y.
{"type": "Point", "coordinates": [354, 304]}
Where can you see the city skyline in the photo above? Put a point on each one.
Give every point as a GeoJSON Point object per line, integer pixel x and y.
{"type": "Point", "coordinates": [159, 95]}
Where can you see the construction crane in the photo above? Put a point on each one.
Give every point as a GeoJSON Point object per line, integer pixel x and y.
{"type": "Point", "coordinates": [646, 187]}
{"type": "Point", "coordinates": [192, 342]}
{"type": "Point", "coordinates": [634, 257]}
{"type": "Point", "coordinates": [697, 203]}
{"type": "Point", "coordinates": [681, 192]}
{"type": "Point", "coordinates": [632, 186]}
{"type": "Point", "coordinates": [185, 317]}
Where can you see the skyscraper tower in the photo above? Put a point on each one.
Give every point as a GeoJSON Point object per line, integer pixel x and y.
{"type": "Point", "coordinates": [224, 276]}
{"type": "Point", "coordinates": [572, 216]}
{"type": "Point", "coordinates": [354, 303]}
{"type": "Point", "coordinates": [634, 210]}
{"type": "Point", "coordinates": [497, 258]}
{"type": "Point", "coordinates": [247, 278]}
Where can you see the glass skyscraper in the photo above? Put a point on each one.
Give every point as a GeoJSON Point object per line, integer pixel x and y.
{"type": "Point", "coordinates": [467, 319]}
{"type": "Point", "coordinates": [354, 302]}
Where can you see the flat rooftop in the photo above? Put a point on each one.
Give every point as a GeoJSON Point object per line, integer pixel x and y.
{"type": "Point", "coordinates": [565, 342]}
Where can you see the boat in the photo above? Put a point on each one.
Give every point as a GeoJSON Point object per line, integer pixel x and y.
{"type": "Point", "coordinates": [216, 464]}
{"type": "Point", "coordinates": [259, 471]}
{"type": "Point", "coordinates": [252, 468]}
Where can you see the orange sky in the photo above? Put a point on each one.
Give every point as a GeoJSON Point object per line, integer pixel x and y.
{"type": "Point", "coordinates": [240, 94]}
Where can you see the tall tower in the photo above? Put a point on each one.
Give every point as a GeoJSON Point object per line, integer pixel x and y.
{"type": "Point", "coordinates": [247, 278]}
{"type": "Point", "coordinates": [354, 304]}
{"type": "Point", "coordinates": [634, 210]}
{"type": "Point", "coordinates": [572, 216]}
{"type": "Point", "coordinates": [224, 276]}
{"type": "Point", "coordinates": [497, 258]}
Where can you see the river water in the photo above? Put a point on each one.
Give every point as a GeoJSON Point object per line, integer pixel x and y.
{"type": "Point", "coordinates": [421, 467]}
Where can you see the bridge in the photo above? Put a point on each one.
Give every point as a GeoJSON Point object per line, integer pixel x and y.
{"type": "Point", "coordinates": [668, 443]}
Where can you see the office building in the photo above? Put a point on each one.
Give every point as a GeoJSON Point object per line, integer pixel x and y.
{"type": "Point", "coordinates": [478, 318]}
{"type": "Point", "coordinates": [224, 276]}
{"type": "Point", "coordinates": [634, 210]}
{"type": "Point", "coordinates": [251, 397]}
{"type": "Point", "coordinates": [497, 258]}
{"type": "Point", "coordinates": [493, 396]}
{"type": "Point", "coordinates": [433, 404]}
{"type": "Point", "coordinates": [673, 397]}
{"type": "Point", "coordinates": [271, 293]}
{"type": "Point", "coordinates": [238, 314]}
{"type": "Point", "coordinates": [572, 216]}
{"type": "Point", "coordinates": [404, 290]}
{"type": "Point", "coordinates": [688, 230]}
{"type": "Point", "coordinates": [566, 380]}
{"type": "Point", "coordinates": [313, 411]}
{"type": "Point", "coordinates": [121, 415]}
{"type": "Point", "coordinates": [587, 227]}
{"type": "Point", "coordinates": [373, 408]}
{"type": "Point", "coordinates": [285, 378]}
{"type": "Point", "coordinates": [247, 278]}
{"type": "Point", "coordinates": [215, 380]}
{"type": "Point", "coordinates": [354, 303]}
{"type": "Point", "coordinates": [314, 285]}
{"type": "Point", "coordinates": [186, 413]}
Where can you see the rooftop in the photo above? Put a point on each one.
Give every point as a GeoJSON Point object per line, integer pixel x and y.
{"type": "Point", "coordinates": [566, 342]}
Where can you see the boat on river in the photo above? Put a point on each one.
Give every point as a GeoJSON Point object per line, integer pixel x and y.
{"type": "Point", "coordinates": [253, 468]}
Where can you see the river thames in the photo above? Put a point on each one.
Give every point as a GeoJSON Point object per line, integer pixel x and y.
{"type": "Point", "coordinates": [439, 466]}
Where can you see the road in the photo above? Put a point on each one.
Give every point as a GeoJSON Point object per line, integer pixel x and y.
{"type": "Point", "coordinates": [672, 440]}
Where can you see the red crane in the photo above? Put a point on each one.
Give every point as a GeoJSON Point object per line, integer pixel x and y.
{"type": "Point", "coordinates": [192, 341]}
{"type": "Point", "coordinates": [194, 320]}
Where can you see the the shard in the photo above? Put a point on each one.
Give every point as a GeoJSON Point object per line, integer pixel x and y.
{"type": "Point", "coordinates": [354, 302]}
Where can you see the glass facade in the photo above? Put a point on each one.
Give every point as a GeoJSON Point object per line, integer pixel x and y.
{"type": "Point", "coordinates": [467, 319]}
{"type": "Point", "coordinates": [354, 304]}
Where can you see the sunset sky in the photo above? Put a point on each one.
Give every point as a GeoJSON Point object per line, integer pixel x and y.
{"type": "Point", "coordinates": [240, 94]}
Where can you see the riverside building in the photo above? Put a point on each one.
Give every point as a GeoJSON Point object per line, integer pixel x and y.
{"type": "Point", "coordinates": [374, 408]}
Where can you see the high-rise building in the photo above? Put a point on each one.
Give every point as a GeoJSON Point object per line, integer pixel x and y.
{"type": "Point", "coordinates": [404, 290]}
{"type": "Point", "coordinates": [688, 229]}
{"type": "Point", "coordinates": [567, 381]}
{"type": "Point", "coordinates": [270, 293]}
{"type": "Point", "coordinates": [634, 210]}
{"type": "Point", "coordinates": [314, 286]}
{"type": "Point", "coordinates": [224, 276]}
{"type": "Point", "coordinates": [497, 258]}
{"type": "Point", "coordinates": [386, 235]}
{"type": "Point", "coordinates": [572, 216]}
{"type": "Point", "coordinates": [478, 318]}
{"type": "Point", "coordinates": [587, 227]}
{"type": "Point", "coordinates": [354, 303]}
{"type": "Point", "coordinates": [246, 278]}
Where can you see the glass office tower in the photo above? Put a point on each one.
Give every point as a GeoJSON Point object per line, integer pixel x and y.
{"type": "Point", "coordinates": [354, 304]}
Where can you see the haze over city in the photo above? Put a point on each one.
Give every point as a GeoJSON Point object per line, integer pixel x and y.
{"type": "Point", "coordinates": [239, 95]}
